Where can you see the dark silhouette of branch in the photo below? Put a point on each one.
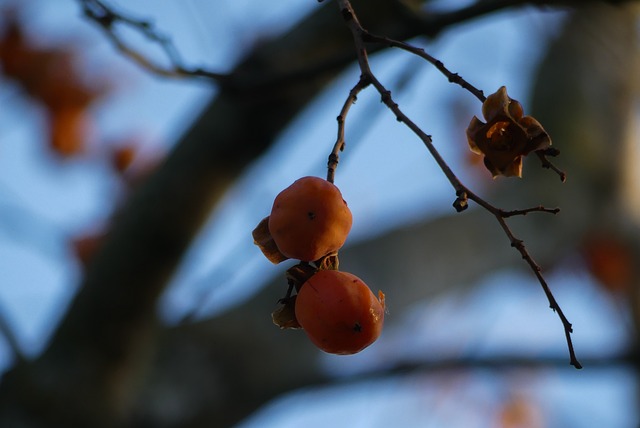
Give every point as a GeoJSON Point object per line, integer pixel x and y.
{"type": "Point", "coordinates": [434, 23]}
{"type": "Point", "coordinates": [7, 331]}
{"type": "Point", "coordinates": [498, 363]}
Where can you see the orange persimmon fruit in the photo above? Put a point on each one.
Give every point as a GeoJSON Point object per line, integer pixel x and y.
{"type": "Point", "coordinates": [309, 219]}
{"type": "Point", "coordinates": [339, 313]}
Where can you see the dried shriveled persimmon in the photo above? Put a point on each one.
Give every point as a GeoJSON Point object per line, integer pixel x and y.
{"type": "Point", "coordinates": [309, 219]}
{"type": "Point", "coordinates": [507, 136]}
{"type": "Point", "coordinates": [339, 313]}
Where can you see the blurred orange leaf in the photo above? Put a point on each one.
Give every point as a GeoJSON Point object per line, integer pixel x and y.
{"type": "Point", "coordinates": [518, 412]}
{"type": "Point", "coordinates": [52, 77]}
{"type": "Point", "coordinates": [123, 156]}
{"type": "Point", "coordinates": [610, 261]}
{"type": "Point", "coordinates": [86, 246]}
{"type": "Point", "coordinates": [68, 130]}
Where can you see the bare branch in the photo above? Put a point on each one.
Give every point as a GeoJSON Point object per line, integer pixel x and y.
{"type": "Point", "coordinates": [546, 163]}
{"type": "Point", "coordinates": [463, 193]}
{"type": "Point", "coordinates": [340, 142]}
{"type": "Point", "coordinates": [539, 208]}
{"type": "Point", "coordinates": [452, 77]}
{"type": "Point", "coordinates": [107, 18]}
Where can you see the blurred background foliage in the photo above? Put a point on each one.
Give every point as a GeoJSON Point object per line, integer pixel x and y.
{"type": "Point", "coordinates": [131, 292]}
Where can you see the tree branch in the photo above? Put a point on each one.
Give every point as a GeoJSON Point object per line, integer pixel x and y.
{"type": "Point", "coordinates": [432, 24]}
{"type": "Point", "coordinates": [108, 19]}
{"type": "Point", "coordinates": [340, 143]}
{"type": "Point", "coordinates": [414, 23]}
{"type": "Point", "coordinates": [360, 36]}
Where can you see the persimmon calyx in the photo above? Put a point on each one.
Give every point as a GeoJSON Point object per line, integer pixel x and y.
{"type": "Point", "coordinates": [299, 274]}
{"type": "Point", "coordinates": [328, 262]}
{"type": "Point", "coordinates": [263, 239]}
{"type": "Point", "coordinates": [284, 316]}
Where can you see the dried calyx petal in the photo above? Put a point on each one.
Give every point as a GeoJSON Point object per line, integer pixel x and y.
{"type": "Point", "coordinates": [263, 239]}
{"type": "Point", "coordinates": [507, 136]}
{"type": "Point", "coordinates": [284, 316]}
{"type": "Point", "coordinates": [299, 274]}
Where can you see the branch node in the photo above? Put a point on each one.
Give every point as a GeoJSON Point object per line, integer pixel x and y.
{"type": "Point", "coordinates": [385, 97]}
{"type": "Point", "coordinates": [462, 201]}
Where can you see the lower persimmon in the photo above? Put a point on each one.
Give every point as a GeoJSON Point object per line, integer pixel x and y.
{"type": "Point", "coordinates": [339, 313]}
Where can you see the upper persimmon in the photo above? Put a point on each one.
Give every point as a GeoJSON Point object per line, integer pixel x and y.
{"type": "Point", "coordinates": [309, 219]}
{"type": "Point", "coordinates": [339, 313]}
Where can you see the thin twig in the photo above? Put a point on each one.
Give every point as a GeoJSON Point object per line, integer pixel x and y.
{"type": "Point", "coordinates": [452, 77]}
{"type": "Point", "coordinates": [106, 18]}
{"type": "Point", "coordinates": [546, 163]}
{"type": "Point", "coordinates": [539, 208]}
{"type": "Point", "coordinates": [334, 157]}
{"type": "Point", "coordinates": [462, 192]}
